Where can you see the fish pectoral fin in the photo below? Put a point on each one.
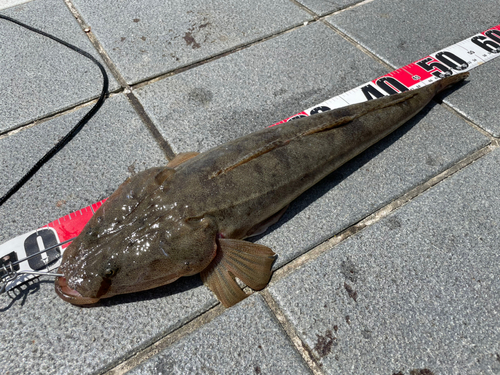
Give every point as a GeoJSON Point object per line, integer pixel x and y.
{"type": "Point", "coordinates": [249, 262]}
{"type": "Point", "coordinates": [181, 158]}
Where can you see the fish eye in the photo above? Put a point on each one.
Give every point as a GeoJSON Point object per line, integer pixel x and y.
{"type": "Point", "coordinates": [109, 272]}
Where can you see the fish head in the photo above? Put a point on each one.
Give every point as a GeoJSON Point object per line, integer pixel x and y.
{"type": "Point", "coordinates": [135, 242]}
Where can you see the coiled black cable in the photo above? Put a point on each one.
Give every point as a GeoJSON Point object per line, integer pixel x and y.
{"type": "Point", "coordinates": [76, 129]}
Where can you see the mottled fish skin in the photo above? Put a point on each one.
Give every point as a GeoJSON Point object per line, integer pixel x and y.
{"type": "Point", "coordinates": [190, 216]}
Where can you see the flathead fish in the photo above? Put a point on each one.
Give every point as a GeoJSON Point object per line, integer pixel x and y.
{"type": "Point", "coordinates": [192, 215]}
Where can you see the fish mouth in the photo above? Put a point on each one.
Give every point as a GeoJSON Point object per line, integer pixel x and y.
{"type": "Point", "coordinates": [71, 295]}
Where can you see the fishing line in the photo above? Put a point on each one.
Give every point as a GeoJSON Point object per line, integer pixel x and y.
{"type": "Point", "coordinates": [76, 129]}
{"type": "Point", "coordinates": [12, 264]}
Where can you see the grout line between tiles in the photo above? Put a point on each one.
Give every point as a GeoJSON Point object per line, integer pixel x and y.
{"type": "Point", "coordinates": [346, 37]}
{"type": "Point", "coordinates": [318, 17]}
{"type": "Point", "coordinates": [102, 53]}
{"type": "Point", "coordinates": [162, 142]}
{"type": "Point", "coordinates": [305, 9]}
{"type": "Point", "coordinates": [349, 7]}
{"type": "Point", "coordinates": [300, 346]}
{"type": "Point", "coordinates": [228, 52]}
{"type": "Point", "coordinates": [464, 117]}
{"type": "Point", "coordinates": [20, 128]}
{"type": "Point", "coordinates": [323, 20]}
{"type": "Point", "coordinates": [51, 116]}
{"type": "Point", "coordinates": [156, 347]}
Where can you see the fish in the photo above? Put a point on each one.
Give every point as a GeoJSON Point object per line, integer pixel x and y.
{"type": "Point", "coordinates": [193, 215]}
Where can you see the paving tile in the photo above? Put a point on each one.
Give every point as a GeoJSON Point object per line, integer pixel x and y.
{"type": "Point", "coordinates": [42, 334]}
{"type": "Point", "coordinates": [411, 30]}
{"type": "Point", "coordinates": [322, 7]}
{"type": "Point", "coordinates": [246, 339]}
{"type": "Point", "coordinates": [417, 290]}
{"type": "Point", "coordinates": [199, 109]}
{"type": "Point", "coordinates": [144, 41]}
{"type": "Point", "coordinates": [39, 76]}
{"type": "Point", "coordinates": [114, 144]}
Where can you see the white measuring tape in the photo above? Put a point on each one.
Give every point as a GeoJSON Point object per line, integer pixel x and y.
{"type": "Point", "coordinates": [458, 58]}
{"type": "Point", "coordinates": [39, 251]}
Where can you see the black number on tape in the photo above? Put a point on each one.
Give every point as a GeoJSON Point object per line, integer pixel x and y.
{"type": "Point", "coordinates": [486, 44]}
{"type": "Point", "coordinates": [493, 34]}
{"type": "Point", "coordinates": [31, 247]}
{"type": "Point", "coordinates": [452, 60]}
{"type": "Point", "coordinates": [391, 85]}
{"type": "Point", "coordinates": [429, 65]}
{"type": "Point", "coordinates": [371, 92]}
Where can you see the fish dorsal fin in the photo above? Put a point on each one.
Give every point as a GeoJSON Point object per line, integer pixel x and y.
{"type": "Point", "coordinates": [249, 262]}
{"type": "Point", "coordinates": [163, 175]}
{"type": "Point", "coordinates": [181, 158]}
{"type": "Point", "coordinates": [321, 122]}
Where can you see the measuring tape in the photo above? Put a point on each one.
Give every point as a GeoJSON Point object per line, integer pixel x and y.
{"type": "Point", "coordinates": [458, 58]}
{"type": "Point", "coordinates": [39, 251]}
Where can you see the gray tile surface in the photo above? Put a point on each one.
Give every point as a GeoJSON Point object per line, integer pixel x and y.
{"type": "Point", "coordinates": [108, 149]}
{"type": "Point", "coordinates": [227, 346]}
{"type": "Point", "coordinates": [410, 30]}
{"type": "Point", "coordinates": [418, 290]}
{"type": "Point", "coordinates": [478, 101]}
{"type": "Point", "coordinates": [255, 87]}
{"type": "Point", "coordinates": [40, 76]}
{"type": "Point", "coordinates": [144, 41]}
{"type": "Point", "coordinates": [42, 334]}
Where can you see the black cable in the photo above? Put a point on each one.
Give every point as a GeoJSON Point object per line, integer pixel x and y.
{"type": "Point", "coordinates": [76, 129]}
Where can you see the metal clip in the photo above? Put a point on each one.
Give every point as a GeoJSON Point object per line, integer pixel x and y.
{"type": "Point", "coordinates": [10, 275]}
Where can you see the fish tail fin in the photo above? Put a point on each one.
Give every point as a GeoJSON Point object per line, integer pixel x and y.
{"type": "Point", "coordinates": [249, 262]}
